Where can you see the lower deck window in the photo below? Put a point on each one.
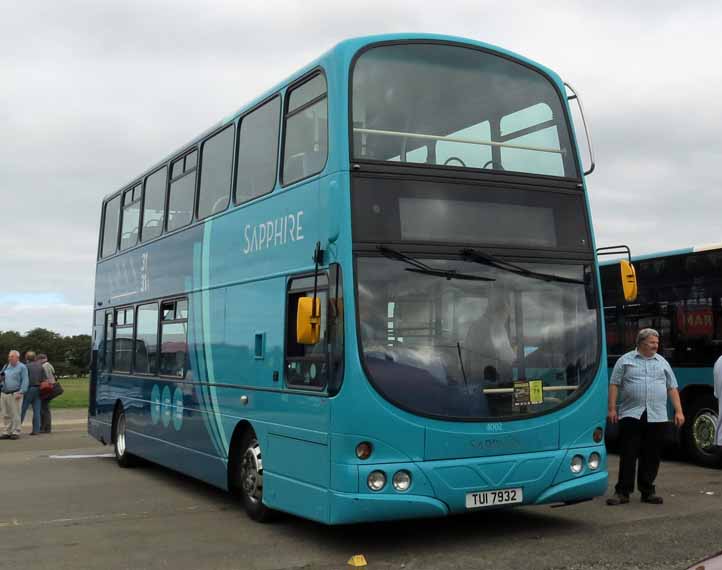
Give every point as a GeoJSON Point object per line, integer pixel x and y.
{"type": "Point", "coordinates": [123, 340]}
{"type": "Point", "coordinates": [306, 365]}
{"type": "Point", "coordinates": [174, 338]}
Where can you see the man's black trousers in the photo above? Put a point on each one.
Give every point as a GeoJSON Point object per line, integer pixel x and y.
{"type": "Point", "coordinates": [641, 445]}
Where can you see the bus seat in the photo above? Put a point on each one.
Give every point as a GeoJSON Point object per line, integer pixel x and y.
{"type": "Point", "coordinates": [293, 169]}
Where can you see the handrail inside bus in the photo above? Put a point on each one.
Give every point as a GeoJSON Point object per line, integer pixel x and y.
{"type": "Point", "coordinates": [456, 139]}
{"type": "Point", "coordinates": [545, 389]}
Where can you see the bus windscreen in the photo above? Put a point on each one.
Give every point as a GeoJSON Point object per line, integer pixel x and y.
{"type": "Point", "coordinates": [504, 345]}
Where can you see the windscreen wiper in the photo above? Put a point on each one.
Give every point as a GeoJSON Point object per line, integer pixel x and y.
{"type": "Point", "coordinates": [476, 256]}
{"type": "Point", "coordinates": [420, 267]}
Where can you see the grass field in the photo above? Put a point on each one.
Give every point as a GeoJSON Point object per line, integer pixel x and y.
{"type": "Point", "coordinates": [75, 395]}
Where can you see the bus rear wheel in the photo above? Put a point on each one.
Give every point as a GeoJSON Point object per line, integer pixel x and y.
{"type": "Point", "coordinates": [120, 444]}
{"type": "Point", "coordinates": [249, 479]}
{"type": "Point", "coordinates": [698, 434]}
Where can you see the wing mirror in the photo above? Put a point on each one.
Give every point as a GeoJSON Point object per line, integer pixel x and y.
{"type": "Point", "coordinates": [308, 320]}
{"type": "Point", "coordinates": [628, 275]}
{"type": "Point", "coordinates": [629, 280]}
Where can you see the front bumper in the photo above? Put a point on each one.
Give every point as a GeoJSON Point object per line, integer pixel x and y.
{"type": "Point", "coordinates": [439, 488]}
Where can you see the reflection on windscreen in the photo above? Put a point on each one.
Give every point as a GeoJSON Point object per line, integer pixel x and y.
{"type": "Point", "coordinates": [472, 349]}
{"type": "Point", "coordinates": [453, 106]}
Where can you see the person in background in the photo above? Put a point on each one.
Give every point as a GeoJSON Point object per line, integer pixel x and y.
{"type": "Point", "coordinates": [49, 375]}
{"type": "Point", "coordinates": [718, 394]}
{"type": "Point", "coordinates": [14, 386]}
{"type": "Point", "coordinates": [32, 396]}
{"type": "Point", "coordinates": [642, 379]}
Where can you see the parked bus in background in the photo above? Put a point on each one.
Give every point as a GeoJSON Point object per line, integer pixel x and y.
{"type": "Point", "coordinates": [679, 295]}
{"type": "Point", "coordinates": [370, 294]}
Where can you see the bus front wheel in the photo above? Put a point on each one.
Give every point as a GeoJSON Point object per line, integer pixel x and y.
{"type": "Point", "coordinates": [249, 479]}
{"type": "Point", "coordinates": [698, 433]}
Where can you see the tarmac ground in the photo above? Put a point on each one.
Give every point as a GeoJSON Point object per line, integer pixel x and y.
{"type": "Point", "coordinates": [65, 504]}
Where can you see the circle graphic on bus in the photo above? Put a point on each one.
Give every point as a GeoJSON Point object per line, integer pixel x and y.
{"type": "Point", "coordinates": [155, 404]}
{"type": "Point", "coordinates": [167, 406]}
{"type": "Point", "coordinates": [178, 408]}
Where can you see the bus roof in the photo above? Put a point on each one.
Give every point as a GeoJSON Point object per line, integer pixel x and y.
{"type": "Point", "coordinates": [343, 51]}
{"type": "Point", "coordinates": [683, 251]}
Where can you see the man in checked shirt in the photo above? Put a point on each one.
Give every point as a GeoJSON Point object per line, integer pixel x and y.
{"type": "Point", "coordinates": [642, 380]}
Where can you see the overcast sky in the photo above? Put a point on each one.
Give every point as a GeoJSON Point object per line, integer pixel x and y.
{"type": "Point", "coordinates": [93, 92]}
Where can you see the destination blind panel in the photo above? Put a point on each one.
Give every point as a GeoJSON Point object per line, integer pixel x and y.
{"type": "Point", "coordinates": [387, 210]}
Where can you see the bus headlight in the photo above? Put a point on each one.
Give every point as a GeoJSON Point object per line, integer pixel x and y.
{"type": "Point", "coordinates": [577, 464]}
{"type": "Point", "coordinates": [376, 480]}
{"type": "Point", "coordinates": [401, 481]}
{"type": "Point", "coordinates": [594, 461]}
{"type": "Point", "coordinates": [598, 435]}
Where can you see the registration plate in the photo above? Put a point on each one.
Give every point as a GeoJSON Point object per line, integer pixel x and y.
{"type": "Point", "coordinates": [492, 498]}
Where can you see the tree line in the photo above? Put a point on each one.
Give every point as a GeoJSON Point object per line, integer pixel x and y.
{"type": "Point", "coordinates": [70, 355]}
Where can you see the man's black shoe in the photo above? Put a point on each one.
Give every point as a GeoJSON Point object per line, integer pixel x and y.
{"type": "Point", "coordinates": [652, 499]}
{"type": "Point", "coordinates": [617, 499]}
{"type": "Point", "coordinates": [34, 433]}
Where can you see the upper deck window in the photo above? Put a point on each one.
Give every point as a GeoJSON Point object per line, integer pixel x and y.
{"type": "Point", "coordinates": [258, 151]}
{"type": "Point", "coordinates": [306, 133]}
{"type": "Point", "coordinates": [182, 191]}
{"type": "Point", "coordinates": [446, 105]}
{"type": "Point", "coordinates": [154, 205]}
{"type": "Point", "coordinates": [131, 217]}
{"type": "Point", "coordinates": [110, 227]}
{"type": "Point", "coordinates": [216, 171]}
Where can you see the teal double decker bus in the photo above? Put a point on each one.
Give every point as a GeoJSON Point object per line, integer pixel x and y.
{"type": "Point", "coordinates": [370, 294]}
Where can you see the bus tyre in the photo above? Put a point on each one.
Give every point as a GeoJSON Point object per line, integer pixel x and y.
{"type": "Point", "coordinates": [698, 433]}
{"type": "Point", "coordinates": [120, 445]}
{"type": "Point", "coordinates": [249, 479]}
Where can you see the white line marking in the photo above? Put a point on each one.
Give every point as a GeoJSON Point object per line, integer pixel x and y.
{"type": "Point", "coordinates": [82, 456]}
{"type": "Point", "coordinates": [100, 517]}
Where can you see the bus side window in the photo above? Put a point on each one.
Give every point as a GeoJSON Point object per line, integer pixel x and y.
{"type": "Point", "coordinates": [108, 348]}
{"type": "Point", "coordinates": [306, 364]}
{"type": "Point", "coordinates": [258, 151]}
{"type": "Point", "coordinates": [130, 218]}
{"type": "Point", "coordinates": [110, 227]}
{"type": "Point", "coordinates": [216, 171]}
{"type": "Point", "coordinates": [182, 191]}
{"type": "Point", "coordinates": [123, 340]}
{"type": "Point", "coordinates": [306, 132]}
{"type": "Point", "coordinates": [154, 204]}
{"type": "Point", "coordinates": [146, 339]}
{"type": "Point", "coordinates": [174, 338]}
{"type": "Point", "coordinates": [98, 346]}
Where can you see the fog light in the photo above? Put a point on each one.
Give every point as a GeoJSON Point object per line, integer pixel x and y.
{"type": "Point", "coordinates": [376, 480]}
{"type": "Point", "coordinates": [577, 464]}
{"type": "Point", "coordinates": [363, 450]}
{"type": "Point", "coordinates": [401, 481]}
{"type": "Point", "coordinates": [598, 435]}
{"type": "Point", "coordinates": [594, 460]}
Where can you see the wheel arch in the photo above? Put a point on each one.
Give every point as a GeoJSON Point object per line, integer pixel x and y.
{"type": "Point", "coordinates": [242, 428]}
{"type": "Point", "coordinates": [692, 392]}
